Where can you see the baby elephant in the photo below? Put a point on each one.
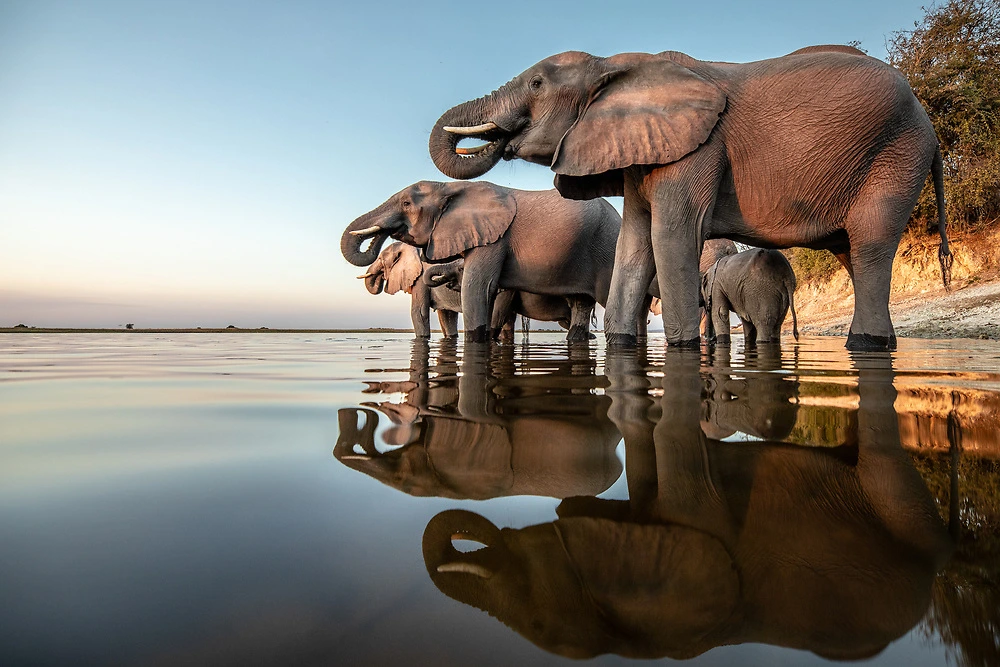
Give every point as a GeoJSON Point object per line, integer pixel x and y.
{"type": "Point", "coordinates": [398, 268]}
{"type": "Point", "coordinates": [759, 285]}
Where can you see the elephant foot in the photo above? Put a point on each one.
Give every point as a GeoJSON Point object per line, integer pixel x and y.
{"type": "Point", "coordinates": [862, 342]}
{"type": "Point", "coordinates": [621, 340]}
{"type": "Point", "coordinates": [578, 334]}
{"type": "Point", "coordinates": [478, 335]}
{"type": "Point", "coordinates": [691, 343]}
{"type": "Point", "coordinates": [721, 339]}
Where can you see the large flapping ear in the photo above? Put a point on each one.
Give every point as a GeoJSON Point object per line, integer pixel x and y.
{"type": "Point", "coordinates": [472, 215]}
{"type": "Point", "coordinates": [644, 111]}
{"type": "Point", "coordinates": [686, 575]}
{"type": "Point", "coordinates": [406, 270]}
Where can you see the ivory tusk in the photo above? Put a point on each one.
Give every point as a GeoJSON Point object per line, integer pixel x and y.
{"type": "Point", "coordinates": [471, 131]}
{"type": "Point", "coordinates": [472, 150]}
{"type": "Point", "coordinates": [467, 568]}
{"type": "Point", "coordinates": [364, 275]}
{"type": "Point", "coordinates": [355, 457]}
{"type": "Point", "coordinates": [366, 231]}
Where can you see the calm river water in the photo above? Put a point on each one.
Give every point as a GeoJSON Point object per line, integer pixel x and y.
{"type": "Point", "coordinates": [281, 499]}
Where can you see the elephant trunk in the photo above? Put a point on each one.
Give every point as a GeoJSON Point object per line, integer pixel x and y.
{"type": "Point", "coordinates": [375, 277]}
{"type": "Point", "coordinates": [377, 225]}
{"type": "Point", "coordinates": [450, 274]}
{"type": "Point", "coordinates": [453, 570]}
{"type": "Point", "coordinates": [489, 119]}
{"type": "Point", "coordinates": [350, 434]}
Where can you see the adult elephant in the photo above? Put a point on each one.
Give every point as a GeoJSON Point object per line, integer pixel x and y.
{"type": "Point", "coordinates": [487, 432]}
{"type": "Point", "coordinates": [826, 549]}
{"type": "Point", "coordinates": [759, 286]}
{"type": "Point", "coordinates": [823, 148]}
{"type": "Point", "coordinates": [399, 268]}
{"type": "Point", "coordinates": [517, 240]}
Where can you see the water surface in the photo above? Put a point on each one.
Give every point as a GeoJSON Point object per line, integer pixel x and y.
{"type": "Point", "coordinates": [353, 499]}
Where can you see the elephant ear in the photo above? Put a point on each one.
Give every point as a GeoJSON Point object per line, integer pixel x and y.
{"type": "Point", "coordinates": [473, 215]}
{"type": "Point", "coordinates": [686, 577]}
{"type": "Point", "coordinates": [648, 111]}
{"type": "Point", "coordinates": [405, 272]}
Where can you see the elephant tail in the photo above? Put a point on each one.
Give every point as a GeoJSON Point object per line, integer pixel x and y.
{"type": "Point", "coordinates": [791, 305]}
{"type": "Point", "coordinates": [945, 258]}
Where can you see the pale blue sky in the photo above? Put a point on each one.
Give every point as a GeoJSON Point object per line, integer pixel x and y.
{"type": "Point", "coordinates": [194, 163]}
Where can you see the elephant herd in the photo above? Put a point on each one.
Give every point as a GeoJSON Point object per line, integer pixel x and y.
{"type": "Point", "coordinates": [732, 530]}
{"type": "Point", "coordinates": [823, 148]}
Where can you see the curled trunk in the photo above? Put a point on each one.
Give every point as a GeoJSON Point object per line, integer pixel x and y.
{"type": "Point", "coordinates": [494, 109]}
{"type": "Point", "coordinates": [371, 225]}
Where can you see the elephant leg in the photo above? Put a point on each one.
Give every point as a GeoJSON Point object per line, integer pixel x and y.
{"type": "Point", "coordinates": [448, 320]}
{"type": "Point", "coordinates": [871, 327]}
{"type": "Point", "coordinates": [633, 272]}
{"type": "Point", "coordinates": [676, 249]}
{"type": "Point", "coordinates": [502, 323]}
{"type": "Point", "coordinates": [719, 326]}
{"type": "Point", "coordinates": [480, 284]}
{"type": "Point", "coordinates": [581, 308]}
{"type": "Point", "coordinates": [420, 310]}
{"type": "Point", "coordinates": [749, 334]}
{"type": "Point", "coordinates": [642, 323]}
{"type": "Point", "coordinates": [874, 226]}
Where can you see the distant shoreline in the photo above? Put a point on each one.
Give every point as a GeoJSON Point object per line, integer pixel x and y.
{"type": "Point", "coordinates": [27, 330]}
{"type": "Point", "coordinates": [234, 330]}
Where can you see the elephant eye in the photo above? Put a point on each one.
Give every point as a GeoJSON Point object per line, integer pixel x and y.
{"type": "Point", "coordinates": [535, 83]}
{"type": "Point", "coordinates": [406, 204]}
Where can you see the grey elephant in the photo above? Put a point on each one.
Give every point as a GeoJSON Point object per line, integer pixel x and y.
{"type": "Point", "coordinates": [759, 286]}
{"type": "Point", "coordinates": [436, 286]}
{"type": "Point", "coordinates": [823, 148]}
{"type": "Point", "coordinates": [478, 434]}
{"type": "Point", "coordinates": [399, 268]}
{"type": "Point", "coordinates": [830, 550]}
{"type": "Point", "coordinates": [517, 240]}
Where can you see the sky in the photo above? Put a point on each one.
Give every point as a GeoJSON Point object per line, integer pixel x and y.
{"type": "Point", "coordinates": [182, 164]}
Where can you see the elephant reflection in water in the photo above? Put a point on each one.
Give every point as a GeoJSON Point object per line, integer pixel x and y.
{"type": "Point", "coordinates": [487, 433]}
{"type": "Point", "coordinates": [831, 550]}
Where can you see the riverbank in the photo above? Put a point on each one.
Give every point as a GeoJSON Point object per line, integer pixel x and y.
{"type": "Point", "coordinates": [919, 304]}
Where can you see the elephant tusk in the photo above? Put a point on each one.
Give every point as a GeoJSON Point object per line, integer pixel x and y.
{"type": "Point", "coordinates": [473, 130]}
{"type": "Point", "coordinates": [363, 276]}
{"type": "Point", "coordinates": [473, 150]}
{"type": "Point", "coordinates": [366, 231]}
{"type": "Point", "coordinates": [466, 568]}
{"type": "Point", "coordinates": [355, 457]}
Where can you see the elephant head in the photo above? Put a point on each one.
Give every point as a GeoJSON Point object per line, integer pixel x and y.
{"type": "Point", "coordinates": [445, 219]}
{"type": "Point", "coordinates": [584, 586]}
{"type": "Point", "coordinates": [586, 117]}
{"type": "Point", "coordinates": [448, 274]}
{"type": "Point", "coordinates": [397, 268]}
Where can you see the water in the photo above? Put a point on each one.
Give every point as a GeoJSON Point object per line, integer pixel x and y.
{"type": "Point", "coordinates": [360, 499]}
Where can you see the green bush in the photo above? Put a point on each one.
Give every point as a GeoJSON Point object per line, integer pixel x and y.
{"type": "Point", "coordinates": [812, 266]}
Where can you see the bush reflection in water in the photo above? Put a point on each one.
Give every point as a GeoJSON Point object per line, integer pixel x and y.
{"type": "Point", "coordinates": [767, 502]}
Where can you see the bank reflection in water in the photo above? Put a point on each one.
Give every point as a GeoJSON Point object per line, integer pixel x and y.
{"type": "Point", "coordinates": [765, 503]}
